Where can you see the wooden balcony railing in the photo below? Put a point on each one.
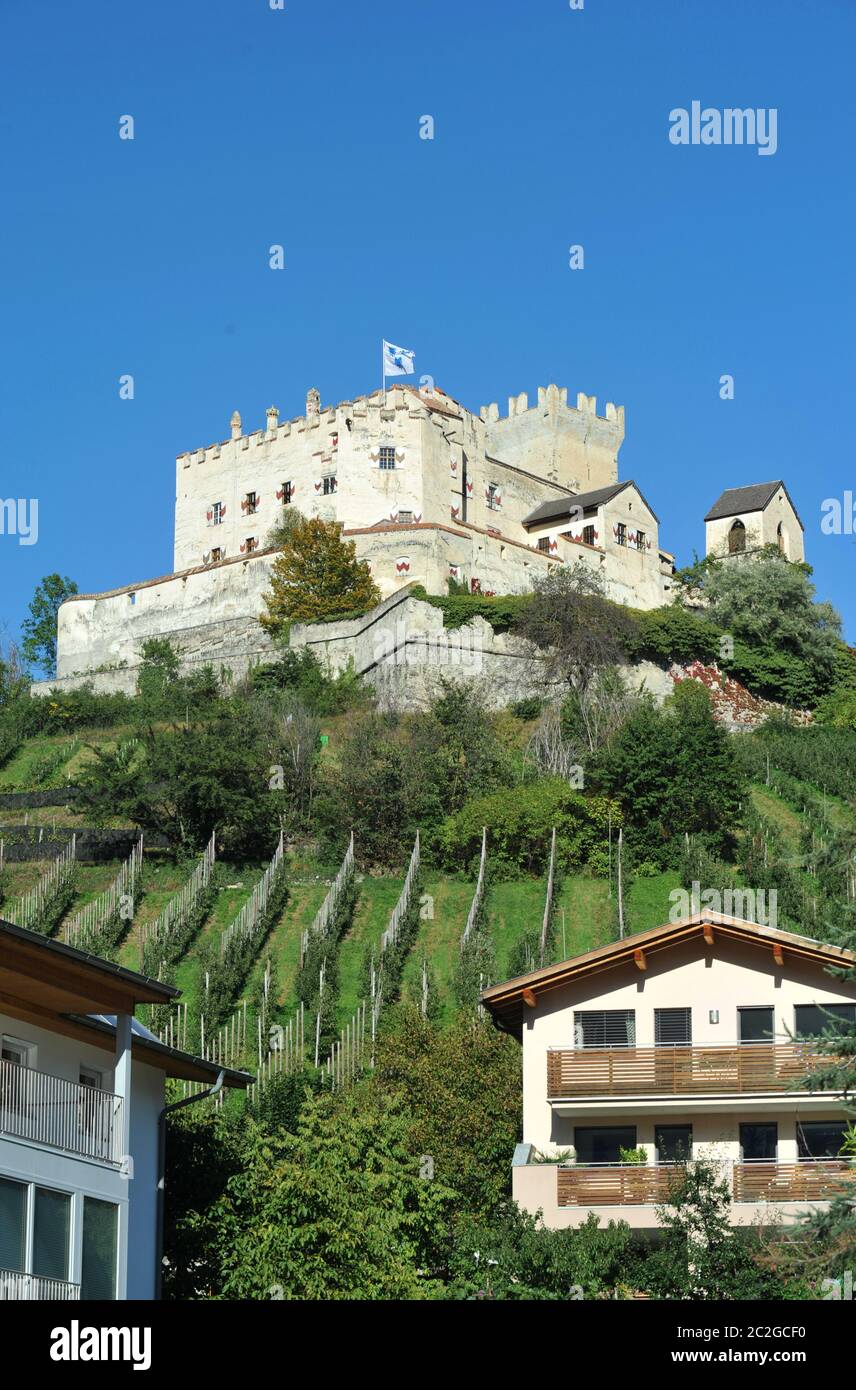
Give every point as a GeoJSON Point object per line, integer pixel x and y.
{"type": "Point", "coordinates": [812, 1180]}
{"type": "Point", "coordinates": [32, 1287]}
{"type": "Point", "coordinates": [573, 1073]}
{"type": "Point", "coordinates": [619, 1184]}
{"type": "Point", "coordinates": [50, 1110]}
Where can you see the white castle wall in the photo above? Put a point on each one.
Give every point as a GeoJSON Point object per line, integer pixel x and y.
{"type": "Point", "coordinates": [575, 447]}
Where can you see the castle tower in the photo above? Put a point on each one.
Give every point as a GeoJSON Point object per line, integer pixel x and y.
{"type": "Point", "coordinates": [574, 447]}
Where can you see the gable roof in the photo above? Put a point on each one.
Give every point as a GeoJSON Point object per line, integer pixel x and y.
{"type": "Point", "coordinates": [753, 498]}
{"type": "Point", "coordinates": [558, 507]}
{"type": "Point", "coordinates": [506, 1002]}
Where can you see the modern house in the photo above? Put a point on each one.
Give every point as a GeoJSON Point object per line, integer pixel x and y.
{"type": "Point", "coordinates": [82, 1123]}
{"type": "Point", "coordinates": [694, 1039]}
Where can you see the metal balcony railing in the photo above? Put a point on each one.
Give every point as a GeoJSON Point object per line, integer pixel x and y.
{"type": "Point", "coordinates": [18, 1287]}
{"type": "Point", "coordinates": [49, 1110]}
{"type": "Point", "coordinates": [720, 1069]}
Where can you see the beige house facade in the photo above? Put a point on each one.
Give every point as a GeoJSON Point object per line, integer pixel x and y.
{"type": "Point", "coordinates": [693, 1040]}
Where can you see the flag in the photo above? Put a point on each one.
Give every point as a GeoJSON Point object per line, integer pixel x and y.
{"type": "Point", "coordinates": [397, 361]}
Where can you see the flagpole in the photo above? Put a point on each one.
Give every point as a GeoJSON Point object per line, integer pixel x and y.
{"type": "Point", "coordinates": [383, 371]}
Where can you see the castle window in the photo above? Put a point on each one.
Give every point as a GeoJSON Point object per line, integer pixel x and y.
{"type": "Point", "coordinates": [287, 490]}
{"type": "Point", "coordinates": [493, 500]}
{"type": "Point", "coordinates": [737, 539]}
{"type": "Point", "coordinates": [588, 535]}
{"type": "Point", "coordinates": [544, 545]}
{"type": "Point", "coordinates": [132, 598]}
{"type": "Point", "coordinates": [251, 544]}
{"type": "Point", "coordinates": [216, 554]}
{"type": "Point", "coordinates": [387, 456]}
{"type": "Point", "coordinates": [217, 513]}
{"type": "Point", "coordinates": [640, 540]}
{"type": "Point", "coordinates": [621, 534]}
{"type": "Point", "coordinates": [328, 486]}
{"type": "Point", "coordinates": [405, 518]}
{"type": "Point", "coordinates": [251, 503]}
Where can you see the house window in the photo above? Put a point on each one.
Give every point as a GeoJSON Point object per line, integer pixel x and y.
{"type": "Point", "coordinates": [90, 1077]}
{"type": "Point", "coordinates": [40, 1245]}
{"type": "Point", "coordinates": [217, 514]}
{"type": "Point", "coordinates": [737, 539]}
{"type": "Point", "coordinates": [493, 497]}
{"type": "Point", "coordinates": [621, 534]}
{"type": "Point", "coordinates": [603, 1144]}
{"type": "Point", "coordinates": [100, 1244]}
{"type": "Point", "coordinates": [759, 1142]}
{"type": "Point", "coordinates": [812, 1020]}
{"type": "Point", "coordinates": [819, 1139]}
{"type": "Point", "coordinates": [13, 1050]}
{"type": "Point", "coordinates": [251, 503]}
{"type": "Point", "coordinates": [544, 545]}
{"type": "Point", "coordinates": [13, 1225]}
{"type": "Point", "coordinates": [605, 1028]}
{"type": "Point", "coordinates": [287, 491]}
{"type": "Point", "coordinates": [755, 1025]}
{"type": "Point", "coordinates": [588, 535]}
{"type": "Point", "coordinates": [673, 1143]}
{"type": "Point", "coordinates": [673, 1027]}
{"type": "Point", "coordinates": [51, 1233]}
{"type": "Point", "coordinates": [387, 456]}
{"type": "Point", "coordinates": [328, 486]}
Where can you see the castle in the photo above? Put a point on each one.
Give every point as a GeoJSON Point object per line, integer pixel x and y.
{"type": "Point", "coordinates": [427, 491]}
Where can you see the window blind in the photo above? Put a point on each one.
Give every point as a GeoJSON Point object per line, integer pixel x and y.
{"type": "Point", "coordinates": [605, 1028]}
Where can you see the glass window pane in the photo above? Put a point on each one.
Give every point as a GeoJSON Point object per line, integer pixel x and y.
{"type": "Point", "coordinates": [605, 1028]}
{"type": "Point", "coordinates": [756, 1025]}
{"type": "Point", "coordinates": [674, 1143]}
{"type": "Point", "coordinates": [100, 1243]}
{"type": "Point", "coordinates": [602, 1145]}
{"type": "Point", "coordinates": [51, 1232]}
{"type": "Point", "coordinates": [820, 1138]}
{"type": "Point", "coordinates": [673, 1026]}
{"type": "Point", "coordinates": [13, 1225]}
{"type": "Point", "coordinates": [758, 1141]}
{"type": "Point", "coordinates": [810, 1020]}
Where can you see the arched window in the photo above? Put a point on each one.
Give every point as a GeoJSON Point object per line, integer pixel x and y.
{"type": "Point", "coordinates": [737, 538]}
{"type": "Point", "coordinates": [782, 538]}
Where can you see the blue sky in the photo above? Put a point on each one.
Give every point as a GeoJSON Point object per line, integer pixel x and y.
{"type": "Point", "coordinates": [300, 127]}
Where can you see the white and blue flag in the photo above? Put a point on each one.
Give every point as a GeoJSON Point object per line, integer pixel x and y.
{"type": "Point", "coordinates": [397, 361]}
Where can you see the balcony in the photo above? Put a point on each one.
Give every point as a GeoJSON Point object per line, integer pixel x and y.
{"type": "Point", "coordinates": [812, 1180]}
{"type": "Point", "coordinates": [718, 1070]}
{"type": "Point", "coordinates": [60, 1114]}
{"type": "Point", "coordinates": [29, 1287]}
{"type": "Point", "coordinates": [615, 1184]}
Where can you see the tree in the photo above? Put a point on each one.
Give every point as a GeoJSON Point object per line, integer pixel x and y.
{"type": "Point", "coordinates": [460, 1088]}
{"type": "Point", "coordinates": [283, 529]}
{"type": "Point", "coordinates": [13, 678]}
{"type": "Point", "coordinates": [768, 605]}
{"type": "Point", "coordinates": [316, 577]}
{"type": "Point", "coordinates": [577, 632]}
{"type": "Point", "coordinates": [159, 669]}
{"type": "Point", "coordinates": [702, 1256]}
{"type": "Point", "coordinates": [338, 1210]}
{"type": "Point", "coordinates": [38, 630]}
{"type": "Point", "coordinates": [673, 771]}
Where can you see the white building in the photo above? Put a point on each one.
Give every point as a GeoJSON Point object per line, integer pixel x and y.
{"type": "Point", "coordinates": [82, 1123]}
{"type": "Point", "coordinates": [686, 1041]}
{"type": "Point", "coordinates": [745, 519]}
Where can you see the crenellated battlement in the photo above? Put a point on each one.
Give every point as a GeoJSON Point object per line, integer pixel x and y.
{"type": "Point", "coordinates": [554, 400]}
